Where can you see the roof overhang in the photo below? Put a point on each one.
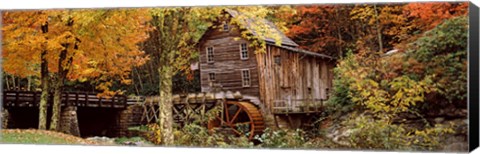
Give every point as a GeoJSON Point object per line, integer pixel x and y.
{"type": "Point", "coordinates": [298, 50]}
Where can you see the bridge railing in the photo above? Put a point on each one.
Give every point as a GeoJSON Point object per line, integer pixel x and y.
{"type": "Point", "coordinates": [286, 106]}
{"type": "Point", "coordinates": [83, 99]}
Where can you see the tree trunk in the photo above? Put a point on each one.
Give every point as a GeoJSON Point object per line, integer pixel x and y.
{"type": "Point", "coordinates": [60, 80]}
{"type": "Point", "coordinates": [165, 104]}
{"type": "Point", "coordinates": [379, 30]}
{"type": "Point", "coordinates": [6, 80]}
{"type": "Point", "coordinates": [14, 85]}
{"type": "Point", "coordinates": [139, 80]}
{"type": "Point", "coordinates": [339, 34]}
{"type": "Point", "coordinates": [29, 82]}
{"type": "Point", "coordinates": [58, 88]}
{"type": "Point", "coordinates": [42, 121]}
{"type": "Point", "coordinates": [42, 117]}
{"type": "Point", "coordinates": [57, 105]}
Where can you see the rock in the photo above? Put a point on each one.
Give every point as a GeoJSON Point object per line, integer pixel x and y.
{"type": "Point", "coordinates": [439, 120]}
{"type": "Point", "coordinates": [137, 143]}
{"type": "Point", "coordinates": [411, 116]}
{"type": "Point", "coordinates": [102, 140]}
{"type": "Point", "coordinates": [129, 143]}
{"type": "Point", "coordinates": [456, 147]}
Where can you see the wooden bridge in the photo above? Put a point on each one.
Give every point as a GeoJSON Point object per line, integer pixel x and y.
{"type": "Point", "coordinates": [82, 99]}
{"type": "Point", "coordinates": [83, 112]}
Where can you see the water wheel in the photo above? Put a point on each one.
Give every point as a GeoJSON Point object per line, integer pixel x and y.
{"type": "Point", "coordinates": [239, 118]}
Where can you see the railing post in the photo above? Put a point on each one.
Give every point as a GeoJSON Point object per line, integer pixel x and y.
{"type": "Point", "coordinates": [124, 103]}
{"type": "Point", "coordinates": [76, 98]}
{"type": "Point", "coordinates": [16, 96]}
{"type": "Point", "coordinates": [86, 99]}
{"type": "Point", "coordinates": [113, 101]}
{"type": "Point", "coordinates": [67, 103]}
{"type": "Point", "coordinates": [100, 102]}
{"type": "Point", "coordinates": [34, 98]}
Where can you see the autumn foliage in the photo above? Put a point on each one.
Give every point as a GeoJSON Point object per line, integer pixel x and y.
{"type": "Point", "coordinates": [67, 45]}
{"type": "Point", "coordinates": [103, 42]}
{"type": "Point", "coordinates": [337, 29]}
{"type": "Point", "coordinates": [428, 77]}
{"type": "Point", "coordinates": [392, 59]}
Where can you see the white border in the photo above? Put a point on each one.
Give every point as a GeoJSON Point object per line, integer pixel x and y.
{"type": "Point", "coordinates": [36, 4]}
{"type": "Point", "coordinates": [72, 149]}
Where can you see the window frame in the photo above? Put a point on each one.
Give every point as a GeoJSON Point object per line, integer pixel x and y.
{"type": "Point", "coordinates": [225, 25]}
{"type": "Point", "coordinates": [210, 76]}
{"type": "Point", "coordinates": [277, 59]}
{"type": "Point", "coordinates": [210, 54]}
{"type": "Point", "coordinates": [243, 77]}
{"type": "Point", "coordinates": [246, 51]}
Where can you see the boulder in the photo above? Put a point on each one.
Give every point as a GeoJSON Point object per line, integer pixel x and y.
{"type": "Point", "coordinates": [439, 120]}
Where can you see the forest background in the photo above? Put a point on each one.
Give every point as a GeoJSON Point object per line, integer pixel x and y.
{"type": "Point", "coordinates": [395, 60]}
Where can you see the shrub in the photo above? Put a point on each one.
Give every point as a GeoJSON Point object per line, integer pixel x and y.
{"type": "Point", "coordinates": [380, 134]}
{"type": "Point", "coordinates": [341, 99]}
{"type": "Point", "coordinates": [443, 52]}
{"type": "Point", "coordinates": [432, 70]}
{"type": "Point", "coordinates": [154, 133]}
{"type": "Point", "coordinates": [199, 136]}
{"type": "Point", "coordinates": [281, 138]}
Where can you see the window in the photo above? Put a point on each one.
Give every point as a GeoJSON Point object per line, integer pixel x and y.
{"type": "Point", "coordinates": [210, 54]}
{"type": "Point", "coordinates": [243, 51]}
{"type": "Point", "coordinates": [277, 60]}
{"type": "Point", "coordinates": [246, 78]}
{"type": "Point", "coordinates": [327, 91]}
{"type": "Point", "coordinates": [225, 26]}
{"type": "Point", "coordinates": [211, 76]}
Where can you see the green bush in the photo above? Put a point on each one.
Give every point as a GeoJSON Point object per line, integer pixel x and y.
{"type": "Point", "coordinates": [443, 52]}
{"type": "Point", "coordinates": [380, 134]}
{"type": "Point", "coordinates": [281, 138]}
{"type": "Point", "coordinates": [341, 99]}
{"type": "Point", "coordinates": [193, 135]}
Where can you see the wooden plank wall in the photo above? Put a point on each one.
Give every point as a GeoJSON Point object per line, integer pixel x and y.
{"type": "Point", "coordinates": [297, 77]}
{"type": "Point", "coordinates": [227, 63]}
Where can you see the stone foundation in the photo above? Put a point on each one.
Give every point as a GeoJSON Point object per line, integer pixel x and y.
{"type": "Point", "coordinates": [69, 121]}
{"type": "Point", "coordinates": [4, 118]}
{"type": "Point", "coordinates": [129, 117]}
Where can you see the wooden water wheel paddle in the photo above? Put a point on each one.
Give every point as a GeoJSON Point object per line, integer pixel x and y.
{"type": "Point", "coordinates": [240, 118]}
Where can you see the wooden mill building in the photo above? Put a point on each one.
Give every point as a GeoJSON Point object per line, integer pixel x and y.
{"type": "Point", "coordinates": [283, 73]}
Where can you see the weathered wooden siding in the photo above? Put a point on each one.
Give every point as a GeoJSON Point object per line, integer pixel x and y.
{"type": "Point", "coordinates": [227, 64]}
{"type": "Point", "coordinates": [296, 77]}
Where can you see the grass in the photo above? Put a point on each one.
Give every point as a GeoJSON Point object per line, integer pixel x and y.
{"type": "Point", "coordinates": [32, 136]}
{"type": "Point", "coordinates": [139, 128]}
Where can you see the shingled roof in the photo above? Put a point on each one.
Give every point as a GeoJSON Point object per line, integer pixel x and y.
{"type": "Point", "coordinates": [250, 22]}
